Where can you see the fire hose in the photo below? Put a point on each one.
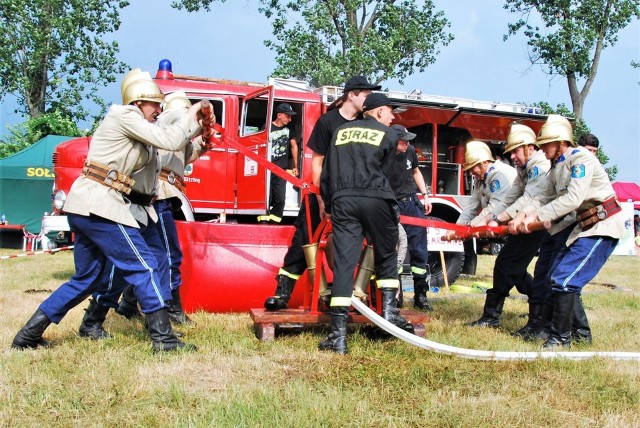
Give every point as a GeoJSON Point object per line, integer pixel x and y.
{"type": "Point", "coordinates": [480, 354]}
{"type": "Point", "coordinates": [461, 232]}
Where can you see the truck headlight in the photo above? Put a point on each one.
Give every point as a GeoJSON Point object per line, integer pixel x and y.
{"type": "Point", "coordinates": [59, 199]}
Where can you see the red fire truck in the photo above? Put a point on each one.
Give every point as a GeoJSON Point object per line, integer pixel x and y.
{"type": "Point", "coordinates": [230, 260]}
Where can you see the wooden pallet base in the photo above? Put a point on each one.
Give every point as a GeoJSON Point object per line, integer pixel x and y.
{"type": "Point", "coordinates": [265, 322]}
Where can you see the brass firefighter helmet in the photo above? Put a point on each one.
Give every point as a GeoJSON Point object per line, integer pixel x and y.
{"type": "Point", "coordinates": [556, 128]}
{"type": "Point", "coordinates": [519, 135]}
{"type": "Point", "coordinates": [475, 153]}
{"type": "Point", "coordinates": [138, 85]}
{"type": "Point", "coordinates": [176, 100]}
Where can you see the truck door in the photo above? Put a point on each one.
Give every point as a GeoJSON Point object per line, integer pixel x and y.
{"type": "Point", "coordinates": [255, 121]}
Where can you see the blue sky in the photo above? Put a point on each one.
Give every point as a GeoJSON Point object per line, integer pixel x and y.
{"type": "Point", "coordinates": [228, 43]}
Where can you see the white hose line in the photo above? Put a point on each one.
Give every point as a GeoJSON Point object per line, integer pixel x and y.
{"type": "Point", "coordinates": [477, 354]}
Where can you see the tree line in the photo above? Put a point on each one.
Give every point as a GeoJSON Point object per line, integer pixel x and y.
{"type": "Point", "coordinates": [54, 56]}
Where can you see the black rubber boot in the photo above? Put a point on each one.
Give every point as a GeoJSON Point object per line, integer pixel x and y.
{"type": "Point", "coordinates": [390, 311]}
{"type": "Point", "coordinates": [420, 287]}
{"type": "Point", "coordinates": [283, 294]}
{"type": "Point", "coordinates": [492, 310]}
{"type": "Point", "coordinates": [176, 314]}
{"type": "Point", "coordinates": [581, 332]}
{"type": "Point", "coordinates": [336, 341]}
{"type": "Point", "coordinates": [91, 326]}
{"type": "Point", "coordinates": [128, 306]}
{"type": "Point", "coordinates": [541, 332]}
{"type": "Point", "coordinates": [534, 323]}
{"type": "Point", "coordinates": [562, 321]}
{"type": "Point", "coordinates": [30, 336]}
{"type": "Point", "coordinates": [162, 336]}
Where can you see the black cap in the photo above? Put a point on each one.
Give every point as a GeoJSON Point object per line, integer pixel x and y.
{"type": "Point", "coordinates": [375, 100]}
{"type": "Point", "coordinates": [403, 133]}
{"type": "Point", "coordinates": [285, 108]}
{"type": "Point", "coordinates": [360, 82]}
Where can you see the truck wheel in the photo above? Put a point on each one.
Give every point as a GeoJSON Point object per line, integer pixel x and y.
{"type": "Point", "coordinates": [454, 263]}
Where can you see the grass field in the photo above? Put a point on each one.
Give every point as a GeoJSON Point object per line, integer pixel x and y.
{"type": "Point", "coordinates": [236, 381]}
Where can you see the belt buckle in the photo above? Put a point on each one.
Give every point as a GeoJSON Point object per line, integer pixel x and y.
{"type": "Point", "coordinates": [111, 177]}
{"type": "Point", "coordinates": [171, 178]}
{"type": "Point", "coordinates": [601, 212]}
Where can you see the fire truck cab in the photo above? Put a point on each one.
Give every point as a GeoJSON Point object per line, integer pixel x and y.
{"type": "Point", "coordinates": [224, 186]}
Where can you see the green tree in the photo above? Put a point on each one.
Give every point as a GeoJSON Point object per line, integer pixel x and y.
{"type": "Point", "coordinates": [33, 130]}
{"type": "Point", "coordinates": [580, 128]}
{"type": "Point", "coordinates": [52, 56]}
{"type": "Point", "coordinates": [325, 41]}
{"type": "Point", "coordinates": [573, 35]}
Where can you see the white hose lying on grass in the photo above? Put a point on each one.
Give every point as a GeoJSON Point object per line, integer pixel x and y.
{"type": "Point", "coordinates": [477, 354]}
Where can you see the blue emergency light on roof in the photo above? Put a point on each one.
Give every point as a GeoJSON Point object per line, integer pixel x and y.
{"type": "Point", "coordinates": [165, 71]}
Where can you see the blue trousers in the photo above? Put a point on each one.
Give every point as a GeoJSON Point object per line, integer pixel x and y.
{"type": "Point", "coordinates": [580, 262]}
{"type": "Point", "coordinates": [547, 259]}
{"type": "Point", "coordinates": [98, 241]}
{"type": "Point", "coordinates": [167, 252]}
{"type": "Point", "coordinates": [416, 237]}
{"type": "Point", "coordinates": [166, 227]}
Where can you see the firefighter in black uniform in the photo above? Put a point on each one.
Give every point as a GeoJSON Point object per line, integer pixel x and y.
{"type": "Point", "coordinates": [344, 110]}
{"type": "Point", "coordinates": [357, 194]}
{"type": "Point", "coordinates": [404, 179]}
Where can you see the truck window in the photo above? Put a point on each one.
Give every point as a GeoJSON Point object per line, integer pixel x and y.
{"type": "Point", "coordinates": [218, 107]}
{"type": "Point", "coordinates": [253, 116]}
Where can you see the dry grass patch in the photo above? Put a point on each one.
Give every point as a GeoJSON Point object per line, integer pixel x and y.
{"type": "Point", "coordinates": [234, 380]}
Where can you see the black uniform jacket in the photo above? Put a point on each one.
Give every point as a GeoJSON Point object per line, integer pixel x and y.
{"type": "Point", "coordinates": [359, 161]}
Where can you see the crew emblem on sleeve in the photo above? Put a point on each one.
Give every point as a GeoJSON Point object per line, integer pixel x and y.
{"type": "Point", "coordinates": [533, 172]}
{"type": "Point", "coordinates": [577, 171]}
{"type": "Point", "coordinates": [494, 186]}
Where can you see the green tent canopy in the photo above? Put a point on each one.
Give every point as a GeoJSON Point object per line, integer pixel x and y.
{"type": "Point", "coordinates": [26, 180]}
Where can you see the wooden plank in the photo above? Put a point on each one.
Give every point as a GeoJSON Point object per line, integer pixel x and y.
{"type": "Point", "coordinates": [301, 316]}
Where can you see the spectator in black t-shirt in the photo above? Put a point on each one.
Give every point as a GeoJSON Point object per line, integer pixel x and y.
{"type": "Point", "coordinates": [282, 145]}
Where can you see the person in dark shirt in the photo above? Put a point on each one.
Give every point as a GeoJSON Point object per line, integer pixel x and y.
{"type": "Point", "coordinates": [356, 191]}
{"type": "Point", "coordinates": [282, 145]}
{"type": "Point", "coordinates": [404, 178]}
{"type": "Point", "coordinates": [347, 108]}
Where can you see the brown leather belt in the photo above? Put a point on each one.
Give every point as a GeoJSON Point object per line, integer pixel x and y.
{"type": "Point", "coordinates": [173, 178]}
{"type": "Point", "coordinates": [587, 218]}
{"type": "Point", "coordinates": [108, 177]}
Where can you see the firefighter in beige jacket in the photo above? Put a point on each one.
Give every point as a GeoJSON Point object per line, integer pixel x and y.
{"type": "Point", "coordinates": [110, 211]}
{"type": "Point", "coordinates": [170, 193]}
{"type": "Point", "coordinates": [577, 183]}
{"type": "Point", "coordinates": [494, 182]}
{"type": "Point", "coordinates": [510, 267]}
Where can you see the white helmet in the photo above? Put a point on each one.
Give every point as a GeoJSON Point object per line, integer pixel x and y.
{"type": "Point", "coordinates": [176, 100]}
{"type": "Point", "coordinates": [475, 153]}
{"type": "Point", "coordinates": [556, 128]}
{"type": "Point", "coordinates": [520, 135]}
{"type": "Point", "coordinates": [138, 85]}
